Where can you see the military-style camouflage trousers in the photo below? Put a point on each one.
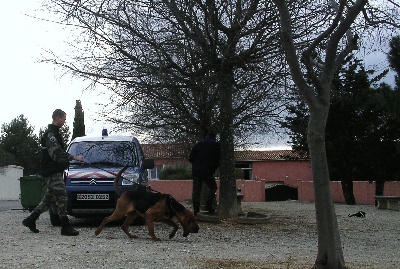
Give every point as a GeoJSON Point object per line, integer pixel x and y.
{"type": "Point", "coordinates": [55, 194]}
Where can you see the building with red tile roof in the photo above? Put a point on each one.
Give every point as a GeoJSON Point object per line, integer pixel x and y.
{"type": "Point", "coordinates": [283, 166]}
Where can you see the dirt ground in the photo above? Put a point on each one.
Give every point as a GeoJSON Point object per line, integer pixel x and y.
{"type": "Point", "coordinates": [287, 240]}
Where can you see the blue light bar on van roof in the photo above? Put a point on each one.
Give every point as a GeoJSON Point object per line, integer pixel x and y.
{"type": "Point", "coordinates": [104, 132]}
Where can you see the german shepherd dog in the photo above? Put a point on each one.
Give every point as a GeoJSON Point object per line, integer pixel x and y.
{"type": "Point", "coordinates": [154, 207]}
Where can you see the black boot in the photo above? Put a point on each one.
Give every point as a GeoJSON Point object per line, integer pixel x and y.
{"type": "Point", "coordinates": [54, 218]}
{"type": "Point", "coordinates": [196, 208]}
{"type": "Point", "coordinates": [210, 202]}
{"type": "Point", "coordinates": [67, 229]}
{"type": "Point", "coordinates": [30, 221]}
{"type": "Point", "coordinates": [210, 209]}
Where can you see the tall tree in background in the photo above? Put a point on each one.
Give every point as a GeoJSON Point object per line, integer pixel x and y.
{"type": "Point", "coordinates": [19, 145]}
{"type": "Point", "coordinates": [6, 158]}
{"type": "Point", "coordinates": [394, 59]}
{"type": "Point", "coordinates": [364, 148]}
{"type": "Point", "coordinates": [79, 121]}
{"type": "Point", "coordinates": [361, 131]}
{"type": "Point", "coordinates": [313, 70]}
{"type": "Point", "coordinates": [295, 124]}
{"type": "Point", "coordinates": [391, 97]}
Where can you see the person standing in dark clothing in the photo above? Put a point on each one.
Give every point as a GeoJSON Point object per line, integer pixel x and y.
{"type": "Point", "coordinates": [204, 157]}
{"type": "Point", "coordinates": [53, 163]}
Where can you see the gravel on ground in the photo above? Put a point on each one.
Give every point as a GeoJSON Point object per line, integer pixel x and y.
{"type": "Point", "coordinates": [288, 241]}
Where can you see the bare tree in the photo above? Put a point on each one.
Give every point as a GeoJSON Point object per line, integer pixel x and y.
{"type": "Point", "coordinates": [161, 61]}
{"type": "Point", "coordinates": [180, 68]}
{"type": "Point", "coordinates": [312, 70]}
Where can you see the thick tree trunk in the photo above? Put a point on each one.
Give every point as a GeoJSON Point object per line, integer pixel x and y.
{"type": "Point", "coordinates": [348, 193]}
{"type": "Point", "coordinates": [228, 203]}
{"type": "Point", "coordinates": [379, 187]}
{"type": "Point", "coordinates": [330, 253]}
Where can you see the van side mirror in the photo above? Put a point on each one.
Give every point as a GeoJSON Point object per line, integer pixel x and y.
{"type": "Point", "coordinates": [148, 164]}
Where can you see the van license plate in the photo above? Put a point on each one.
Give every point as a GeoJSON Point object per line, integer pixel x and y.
{"type": "Point", "coordinates": [88, 196]}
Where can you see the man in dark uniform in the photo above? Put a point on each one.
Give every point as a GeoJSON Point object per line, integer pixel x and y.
{"type": "Point", "coordinates": [53, 163]}
{"type": "Point", "coordinates": [204, 157]}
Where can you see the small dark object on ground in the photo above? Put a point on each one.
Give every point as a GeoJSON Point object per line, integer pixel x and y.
{"type": "Point", "coordinates": [359, 214]}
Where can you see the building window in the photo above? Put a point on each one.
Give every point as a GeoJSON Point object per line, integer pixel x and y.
{"type": "Point", "coordinates": [155, 172]}
{"type": "Point", "coordinates": [247, 171]}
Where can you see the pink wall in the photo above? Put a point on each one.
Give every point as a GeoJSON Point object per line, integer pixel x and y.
{"type": "Point", "coordinates": [305, 191]}
{"type": "Point", "coordinates": [364, 191]}
{"type": "Point", "coordinates": [392, 188]}
{"type": "Point", "coordinates": [254, 190]}
{"type": "Point", "coordinates": [289, 172]}
{"type": "Point", "coordinates": [181, 190]}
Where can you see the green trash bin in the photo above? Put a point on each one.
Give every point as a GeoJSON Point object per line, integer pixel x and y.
{"type": "Point", "coordinates": [32, 191]}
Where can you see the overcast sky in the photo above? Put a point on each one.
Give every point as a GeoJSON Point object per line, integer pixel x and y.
{"type": "Point", "coordinates": [35, 89]}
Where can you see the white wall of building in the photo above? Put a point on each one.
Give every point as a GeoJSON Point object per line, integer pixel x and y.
{"type": "Point", "coordinates": [9, 182]}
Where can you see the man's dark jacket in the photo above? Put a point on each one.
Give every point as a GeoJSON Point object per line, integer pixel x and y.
{"type": "Point", "coordinates": [48, 165]}
{"type": "Point", "coordinates": [205, 157]}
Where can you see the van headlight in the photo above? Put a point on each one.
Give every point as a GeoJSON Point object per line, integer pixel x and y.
{"type": "Point", "coordinates": [130, 179]}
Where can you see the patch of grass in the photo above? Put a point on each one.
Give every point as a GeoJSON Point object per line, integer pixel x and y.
{"type": "Point", "coordinates": [243, 264]}
{"type": "Point", "coordinates": [289, 263]}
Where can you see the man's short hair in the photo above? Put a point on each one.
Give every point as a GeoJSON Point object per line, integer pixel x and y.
{"type": "Point", "coordinates": [58, 113]}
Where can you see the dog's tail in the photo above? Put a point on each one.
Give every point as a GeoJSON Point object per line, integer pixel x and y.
{"type": "Point", "coordinates": [117, 176]}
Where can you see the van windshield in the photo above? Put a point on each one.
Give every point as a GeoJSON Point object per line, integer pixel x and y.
{"type": "Point", "coordinates": [109, 152]}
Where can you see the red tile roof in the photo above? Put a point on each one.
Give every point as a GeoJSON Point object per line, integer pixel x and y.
{"type": "Point", "coordinates": [164, 151]}
{"type": "Point", "coordinates": [273, 155]}
{"type": "Point", "coordinates": [173, 151]}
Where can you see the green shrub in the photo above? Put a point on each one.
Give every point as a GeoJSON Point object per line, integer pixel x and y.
{"type": "Point", "coordinates": [178, 172]}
